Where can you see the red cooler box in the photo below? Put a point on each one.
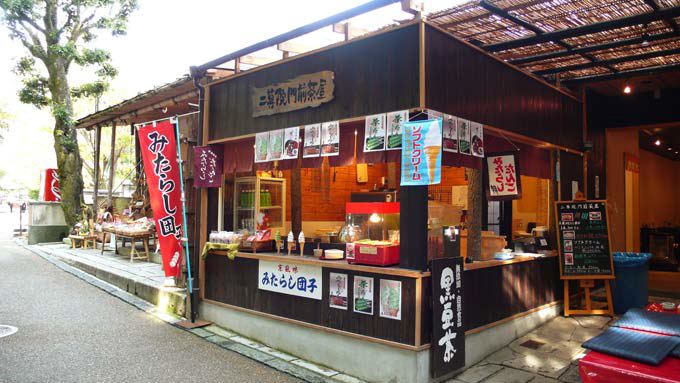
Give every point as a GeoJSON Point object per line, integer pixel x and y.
{"type": "Point", "coordinates": [375, 254]}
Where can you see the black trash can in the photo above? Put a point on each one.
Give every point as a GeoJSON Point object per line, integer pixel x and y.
{"type": "Point", "coordinates": [630, 288]}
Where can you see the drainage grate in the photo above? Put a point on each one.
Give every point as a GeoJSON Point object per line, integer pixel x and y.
{"type": "Point", "coordinates": [532, 344]}
{"type": "Point", "coordinates": [6, 330]}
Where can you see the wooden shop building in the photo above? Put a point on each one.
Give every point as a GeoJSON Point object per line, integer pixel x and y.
{"type": "Point", "coordinates": [352, 320]}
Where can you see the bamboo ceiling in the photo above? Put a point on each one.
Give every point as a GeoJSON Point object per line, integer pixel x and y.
{"type": "Point", "coordinates": [571, 39]}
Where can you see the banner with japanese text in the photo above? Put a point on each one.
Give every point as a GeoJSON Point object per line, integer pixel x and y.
{"type": "Point", "coordinates": [208, 166]}
{"type": "Point", "coordinates": [421, 153]}
{"type": "Point", "coordinates": [159, 152]}
{"type": "Point", "coordinates": [503, 177]}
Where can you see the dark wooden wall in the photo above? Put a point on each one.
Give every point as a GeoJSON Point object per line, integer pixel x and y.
{"type": "Point", "coordinates": [571, 169]}
{"type": "Point", "coordinates": [634, 109]}
{"type": "Point", "coordinates": [373, 75]}
{"type": "Point", "coordinates": [235, 283]}
{"type": "Point", "coordinates": [495, 293]}
{"type": "Point", "coordinates": [464, 82]}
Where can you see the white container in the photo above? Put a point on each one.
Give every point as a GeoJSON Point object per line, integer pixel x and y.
{"type": "Point", "coordinates": [333, 254]}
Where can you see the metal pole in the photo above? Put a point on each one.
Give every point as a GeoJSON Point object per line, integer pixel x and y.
{"type": "Point", "coordinates": [184, 218]}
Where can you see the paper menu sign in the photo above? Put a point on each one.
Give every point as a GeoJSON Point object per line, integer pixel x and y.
{"type": "Point", "coordinates": [291, 143]}
{"type": "Point", "coordinates": [262, 147]}
{"type": "Point", "coordinates": [477, 139]}
{"type": "Point", "coordinates": [312, 147]}
{"type": "Point", "coordinates": [450, 133]}
{"type": "Point", "coordinates": [374, 137]}
{"type": "Point", "coordinates": [330, 138]}
{"type": "Point", "coordinates": [395, 123]}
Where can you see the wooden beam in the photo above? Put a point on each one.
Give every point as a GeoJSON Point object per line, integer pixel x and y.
{"type": "Point", "coordinates": [594, 48]}
{"type": "Point", "coordinates": [474, 216]}
{"type": "Point", "coordinates": [624, 74]}
{"type": "Point", "coordinates": [297, 32]}
{"type": "Point", "coordinates": [618, 60]}
{"type": "Point", "coordinates": [538, 31]}
{"type": "Point", "coordinates": [112, 164]}
{"type": "Point", "coordinates": [669, 21]}
{"type": "Point", "coordinates": [585, 30]}
{"type": "Point", "coordinates": [255, 60]}
{"type": "Point", "coordinates": [97, 145]}
{"type": "Point", "coordinates": [349, 30]}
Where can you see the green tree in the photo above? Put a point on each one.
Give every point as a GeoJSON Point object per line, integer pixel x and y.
{"type": "Point", "coordinates": [4, 123]}
{"type": "Point", "coordinates": [57, 33]}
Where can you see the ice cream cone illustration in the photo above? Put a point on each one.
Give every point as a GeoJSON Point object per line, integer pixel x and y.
{"type": "Point", "coordinates": [432, 152]}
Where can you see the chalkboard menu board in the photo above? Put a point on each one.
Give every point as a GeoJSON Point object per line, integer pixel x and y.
{"type": "Point", "coordinates": [583, 236]}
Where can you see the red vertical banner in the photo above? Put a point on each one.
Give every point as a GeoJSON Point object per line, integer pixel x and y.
{"type": "Point", "coordinates": [159, 152]}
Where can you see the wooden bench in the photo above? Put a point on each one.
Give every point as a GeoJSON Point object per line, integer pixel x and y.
{"type": "Point", "coordinates": [83, 240]}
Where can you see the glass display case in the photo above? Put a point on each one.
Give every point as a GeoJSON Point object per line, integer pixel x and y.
{"type": "Point", "coordinates": [375, 226]}
{"type": "Point", "coordinates": [259, 204]}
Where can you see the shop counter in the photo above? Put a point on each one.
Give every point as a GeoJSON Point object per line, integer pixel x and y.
{"type": "Point", "coordinates": [242, 284]}
{"type": "Point", "coordinates": [494, 292]}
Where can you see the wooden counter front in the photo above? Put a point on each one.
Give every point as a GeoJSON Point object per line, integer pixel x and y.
{"type": "Point", "coordinates": [234, 284]}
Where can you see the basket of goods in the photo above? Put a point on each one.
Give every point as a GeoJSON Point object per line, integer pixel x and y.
{"type": "Point", "coordinates": [260, 241]}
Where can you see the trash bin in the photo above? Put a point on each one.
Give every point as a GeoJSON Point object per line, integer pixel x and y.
{"type": "Point", "coordinates": [630, 288]}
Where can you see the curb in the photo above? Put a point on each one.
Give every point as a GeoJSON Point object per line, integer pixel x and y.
{"type": "Point", "coordinates": [228, 340]}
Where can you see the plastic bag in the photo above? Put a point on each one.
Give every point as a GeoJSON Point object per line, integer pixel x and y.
{"type": "Point", "coordinates": [622, 259]}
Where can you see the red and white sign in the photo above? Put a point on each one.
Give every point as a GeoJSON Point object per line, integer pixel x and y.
{"type": "Point", "coordinates": [159, 152]}
{"type": "Point", "coordinates": [49, 186]}
{"type": "Point", "coordinates": [503, 176]}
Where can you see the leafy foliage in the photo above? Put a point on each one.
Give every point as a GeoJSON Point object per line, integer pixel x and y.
{"type": "Point", "coordinates": [55, 33]}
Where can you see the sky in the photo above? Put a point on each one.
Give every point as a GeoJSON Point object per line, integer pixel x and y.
{"type": "Point", "coordinates": [165, 38]}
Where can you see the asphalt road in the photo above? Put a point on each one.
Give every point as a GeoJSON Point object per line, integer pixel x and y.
{"type": "Point", "coordinates": [70, 331]}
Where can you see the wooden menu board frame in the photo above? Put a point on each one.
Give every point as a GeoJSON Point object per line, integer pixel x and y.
{"type": "Point", "coordinates": [586, 281]}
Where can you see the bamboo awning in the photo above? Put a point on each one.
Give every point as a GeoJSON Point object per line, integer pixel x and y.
{"type": "Point", "coordinates": [571, 40]}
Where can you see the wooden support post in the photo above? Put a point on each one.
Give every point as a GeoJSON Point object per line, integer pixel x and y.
{"type": "Point", "coordinates": [474, 213]}
{"type": "Point", "coordinates": [296, 198]}
{"type": "Point", "coordinates": [413, 224]}
{"type": "Point", "coordinates": [97, 145]}
{"type": "Point", "coordinates": [112, 165]}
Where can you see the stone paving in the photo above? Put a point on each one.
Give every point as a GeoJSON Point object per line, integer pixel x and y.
{"type": "Point", "coordinates": [550, 353]}
{"type": "Point", "coordinates": [140, 271]}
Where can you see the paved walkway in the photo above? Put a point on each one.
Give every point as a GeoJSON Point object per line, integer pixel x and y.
{"type": "Point", "coordinates": [548, 354]}
{"type": "Point", "coordinates": [140, 271]}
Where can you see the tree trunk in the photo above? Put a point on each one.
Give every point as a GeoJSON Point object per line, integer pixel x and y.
{"type": "Point", "coordinates": [69, 163]}
{"type": "Point", "coordinates": [474, 213]}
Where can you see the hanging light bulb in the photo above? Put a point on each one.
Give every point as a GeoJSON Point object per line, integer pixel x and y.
{"type": "Point", "coordinates": [374, 218]}
{"type": "Point", "coordinates": [627, 89]}
{"type": "Point", "coordinates": [657, 142]}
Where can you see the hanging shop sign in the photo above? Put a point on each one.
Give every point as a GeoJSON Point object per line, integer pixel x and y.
{"type": "Point", "coordinates": [261, 147]}
{"type": "Point", "coordinates": [49, 186]}
{"type": "Point", "coordinates": [292, 279]}
{"type": "Point", "coordinates": [395, 128]}
{"type": "Point", "coordinates": [330, 138]}
{"type": "Point", "coordinates": [583, 239]}
{"type": "Point", "coordinates": [448, 332]}
{"type": "Point", "coordinates": [306, 91]}
{"type": "Point", "coordinates": [421, 154]}
{"type": "Point", "coordinates": [291, 143]}
{"type": "Point", "coordinates": [208, 164]}
{"type": "Point", "coordinates": [312, 147]}
{"type": "Point", "coordinates": [159, 152]}
{"type": "Point", "coordinates": [374, 133]}
{"type": "Point", "coordinates": [464, 136]}
{"type": "Point", "coordinates": [450, 133]}
{"type": "Point", "coordinates": [503, 177]}
{"type": "Point", "coordinates": [275, 144]}
{"type": "Point", "coordinates": [477, 139]}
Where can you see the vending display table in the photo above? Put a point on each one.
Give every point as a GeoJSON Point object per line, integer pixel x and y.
{"type": "Point", "coordinates": [144, 237]}
{"type": "Point", "coordinates": [601, 368]}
